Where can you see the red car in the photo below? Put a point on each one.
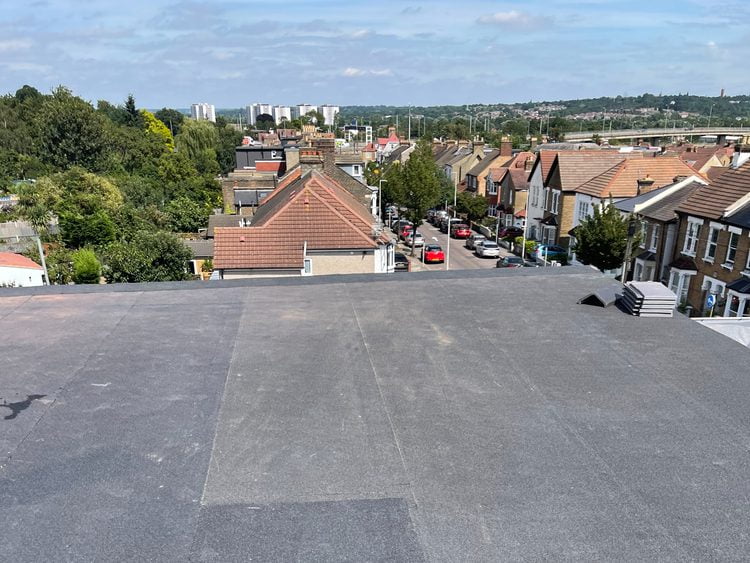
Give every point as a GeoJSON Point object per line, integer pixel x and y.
{"type": "Point", "coordinates": [433, 253]}
{"type": "Point", "coordinates": [461, 231]}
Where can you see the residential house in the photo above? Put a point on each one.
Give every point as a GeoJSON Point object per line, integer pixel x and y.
{"type": "Point", "coordinates": [386, 145]}
{"type": "Point", "coordinates": [203, 254]}
{"type": "Point", "coordinates": [562, 204]}
{"type": "Point", "coordinates": [312, 226]}
{"type": "Point", "coordinates": [656, 211]}
{"type": "Point", "coordinates": [18, 271]}
{"type": "Point", "coordinates": [506, 189]}
{"type": "Point", "coordinates": [476, 177]}
{"type": "Point", "coordinates": [713, 243]}
{"type": "Point", "coordinates": [535, 207]}
{"type": "Point", "coordinates": [631, 176]}
{"type": "Point", "coordinates": [401, 154]}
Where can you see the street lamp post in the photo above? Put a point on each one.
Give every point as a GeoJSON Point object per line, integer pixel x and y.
{"type": "Point", "coordinates": [380, 199]}
{"type": "Point", "coordinates": [710, 114]}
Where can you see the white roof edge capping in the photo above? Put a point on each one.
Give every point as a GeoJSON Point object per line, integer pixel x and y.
{"type": "Point", "coordinates": [737, 205]}
{"type": "Point", "coordinates": [675, 187]}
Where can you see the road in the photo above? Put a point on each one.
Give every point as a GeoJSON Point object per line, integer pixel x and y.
{"type": "Point", "coordinates": [461, 258]}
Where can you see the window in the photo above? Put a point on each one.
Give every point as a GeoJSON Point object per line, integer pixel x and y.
{"type": "Point", "coordinates": [584, 209]}
{"type": "Point", "coordinates": [546, 199]}
{"type": "Point", "coordinates": [692, 232]}
{"type": "Point", "coordinates": [491, 210]}
{"type": "Point", "coordinates": [713, 239]}
{"type": "Point", "coordinates": [738, 305]}
{"type": "Point", "coordinates": [357, 170]}
{"type": "Point", "coordinates": [654, 238]}
{"type": "Point", "coordinates": [508, 219]}
{"type": "Point", "coordinates": [555, 201]}
{"type": "Point", "coordinates": [644, 233]}
{"type": "Point", "coordinates": [308, 267]}
{"type": "Point", "coordinates": [492, 188]}
{"type": "Point", "coordinates": [734, 238]}
{"type": "Point", "coordinates": [679, 283]}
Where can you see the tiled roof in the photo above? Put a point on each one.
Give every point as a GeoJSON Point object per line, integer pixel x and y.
{"type": "Point", "coordinates": [483, 164]}
{"type": "Point", "coordinates": [664, 209]}
{"type": "Point", "coordinates": [714, 172]}
{"type": "Point", "coordinates": [226, 220]}
{"type": "Point", "coordinates": [313, 210]}
{"type": "Point", "coordinates": [712, 200]}
{"type": "Point", "coordinates": [519, 179]}
{"type": "Point", "coordinates": [578, 167]}
{"type": "Point", "coordinates": [201, 247]}
{"type": "Point", "coordinates": [622, 180]}
{"type": "Point", "coordinates": [12, 260]}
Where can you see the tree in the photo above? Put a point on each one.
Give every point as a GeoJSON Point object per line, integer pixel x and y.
{"type": "Point", "coordinates": [70, 132]}
{"type": "Point", "coordinates": [602, 238]}
{"type": "Point", "coordinates": [133, 118]}
{"type": "Point", "coordinates": [185, 215]}
{"type": "Point", "coordinates": [86, 266]}
{"type": "Point", "coordinates": [156, 128]}
{"type": "Point", "coordinates": [474, 207]}
{"type": "Point", "coordinates": [171, 118]}
{"type": "Point", "coordinates": [148, 257]}
{"type": "Point", "coordinates": [195, 138]}
{"type": "Point", "coordinates": [37, 203]}
{"type": "Point", "coordinates": [416, 184]}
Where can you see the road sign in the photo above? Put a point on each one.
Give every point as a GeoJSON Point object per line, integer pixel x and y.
{"type": "Point", "coordinates": [710, 301]}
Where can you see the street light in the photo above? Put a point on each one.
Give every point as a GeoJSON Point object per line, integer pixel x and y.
{"type": "Point", "coordinates": [380, 199]}
{"type": "Point", "coordinates": [710, 113]}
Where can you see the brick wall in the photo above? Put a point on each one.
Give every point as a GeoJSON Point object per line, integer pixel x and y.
{"type": "Point", "coordinates": [565, 217]}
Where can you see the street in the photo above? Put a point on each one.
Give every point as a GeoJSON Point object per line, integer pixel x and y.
{"type": "Point", "coordinates": [461, 258]}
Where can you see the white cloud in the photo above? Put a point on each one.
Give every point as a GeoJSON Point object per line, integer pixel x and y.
{"type": "Point", "coordinates": [510, 19]}
{"type": "Point", "coordinates": [351, 71]}
{"type": "Point", "coordinates": [14, 45]}
{"type": "Point", "coordinates": [27, 67]}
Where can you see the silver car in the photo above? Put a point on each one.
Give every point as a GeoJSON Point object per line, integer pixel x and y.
{"type": "Point", "coordinates": [418, 239]}
{"type": "Point", "coordinates": [488, 249]}
{"type": "Point", "coordinates": [473, 240]}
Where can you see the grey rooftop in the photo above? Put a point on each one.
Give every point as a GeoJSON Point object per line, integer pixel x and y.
{"type": "Point", "coordinates": [459, 416]}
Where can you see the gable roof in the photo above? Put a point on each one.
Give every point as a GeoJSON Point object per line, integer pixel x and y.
{"type": "Point", "coordinates": [13, 260]}
{"type": "Point", "coordinates": [312, 210]}
{"type": "Point", "coordinates": [621, 181]}
{"type": "Point", "coordinates": [711, 201]}
{"type": "Point", "coordinates": [519, 179]}
{"type": "Point", "coordinates": [485, 163]}
{"type": "Point", "coordinates": [664, 201]}
{"type": "Point", "coordinates": [577, 168]}
{"type": "Point", "coordinates": [544, 160]}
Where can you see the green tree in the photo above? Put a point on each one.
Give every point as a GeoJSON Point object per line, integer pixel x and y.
{"type": "Point", "coordinates": [602, 238]}
{"type": "Point", "coordinates": [416, 184]}
{"type": "Point", "coordinates": [185, 215]}
{"type": "Point", "coordinates": [474, 207]}
{"type": "Point", "coordinates": [38, 202]}
{"type": "Point", "coordinates": [70, 132]}
{"type": "Point", "coordinates": [133, 118]}
{"type": "Point", "coordinates": [86, 266]}
{"type": "Point", "coordinates": [172, 118]}
{"type": "Point", "coordinates": [156, 128]}
{"type": "Point", "coordinates": [196, 137]}
{"type": "Point", "coordinates": [148, 257]}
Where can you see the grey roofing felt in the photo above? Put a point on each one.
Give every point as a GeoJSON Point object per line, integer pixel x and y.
{"type": "Point", "coordinates": [348, 419]}
{"type": "Point", "coordinates": [483, 164]}
{"type": "Point", "coordinates": [741, 217]}
{"type": "Point", "coordinates": [663, 209]}
{"type": "Point", "coordinates": [223, 220]}
{"type": "Point", "coordinates": [201, 248]}
{"type": "Point", "coordinates": [628, 205]}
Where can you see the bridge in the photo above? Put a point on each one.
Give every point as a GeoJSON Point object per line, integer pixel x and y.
{"type": "Point", "coordinates": [721, 133]}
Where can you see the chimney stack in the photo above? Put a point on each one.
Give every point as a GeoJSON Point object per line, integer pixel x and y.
{"type": "Point", "coordinates": [327, 150]}
{"type": "Point", "coordinates": [506, 147]}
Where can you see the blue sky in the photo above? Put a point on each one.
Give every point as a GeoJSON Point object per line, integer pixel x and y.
{"type": "Point", "coordinates": [232, 53]}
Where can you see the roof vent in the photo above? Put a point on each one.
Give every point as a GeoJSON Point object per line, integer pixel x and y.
{"type": "Point", "coordinates": [603, 297]}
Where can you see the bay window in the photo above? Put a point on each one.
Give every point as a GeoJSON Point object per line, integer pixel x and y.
{"type": "Point", "coordinates": [692, 232]}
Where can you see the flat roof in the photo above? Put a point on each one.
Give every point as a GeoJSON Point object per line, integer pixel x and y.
{"type": "Point", "coordinates": [451, 416]}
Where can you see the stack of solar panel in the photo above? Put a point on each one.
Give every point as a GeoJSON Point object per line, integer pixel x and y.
{"type": "Point", "coordinates": [648, 299]}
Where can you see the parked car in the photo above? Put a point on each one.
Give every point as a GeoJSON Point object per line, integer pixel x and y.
{"type": "Point", "coordinates": [418, 239]}
{"type": "Point", "coordinates": [406, 230]}
{"type": "Point", "coordinates": [510, 232]}
{"type": "Point", "coordinates": [473, 240]}
{"type": "Point", "coordinates": [433, 253]}
{"type": "Point", "coordinates": [460, 230]}
{"type": "Point", "coordinates": [488, 249]}
{"type": "Point", "coordinates": [550, 252]}
{"type": "Point", "coordinates": [447, 223]}
{"type": "Point", "coordinates": [401, 262]}
{"type": "Point", "coordinates": [438, 217]}
{"type": "Point", "coordinates": [510, 262]}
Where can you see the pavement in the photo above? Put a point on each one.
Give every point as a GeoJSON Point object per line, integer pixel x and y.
{"type": "Point", "coordinates": [461, 258]}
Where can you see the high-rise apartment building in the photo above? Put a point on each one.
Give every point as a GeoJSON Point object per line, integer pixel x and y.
{"type": "Point", "coordinates": [203, 111]}
{"type": "Point", "coordinates": [303, 109]}
{"type": "Point", "coordinates": [254, 111]}
{"type": "Point", "coordinates": [282, 112]}
{"type": "Point", "coordinates": [329, 114]}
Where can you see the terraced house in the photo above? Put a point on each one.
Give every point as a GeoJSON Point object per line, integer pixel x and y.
{"type": "Point", "coordinates": [714, 245]}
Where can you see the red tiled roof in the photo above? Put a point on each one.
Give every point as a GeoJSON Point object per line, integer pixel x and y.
{"type": "Point", "coordinates": [712, 200]}
{"type": "Point", "coordinates": [661, 170]}
{"type": "Point", "coordinates": [312, 210]}
{"type": "Point", "coordinates": [12, 260]}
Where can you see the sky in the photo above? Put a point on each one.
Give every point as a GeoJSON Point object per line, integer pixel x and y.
{"type": "Point", "coordinates": [354, 52]}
